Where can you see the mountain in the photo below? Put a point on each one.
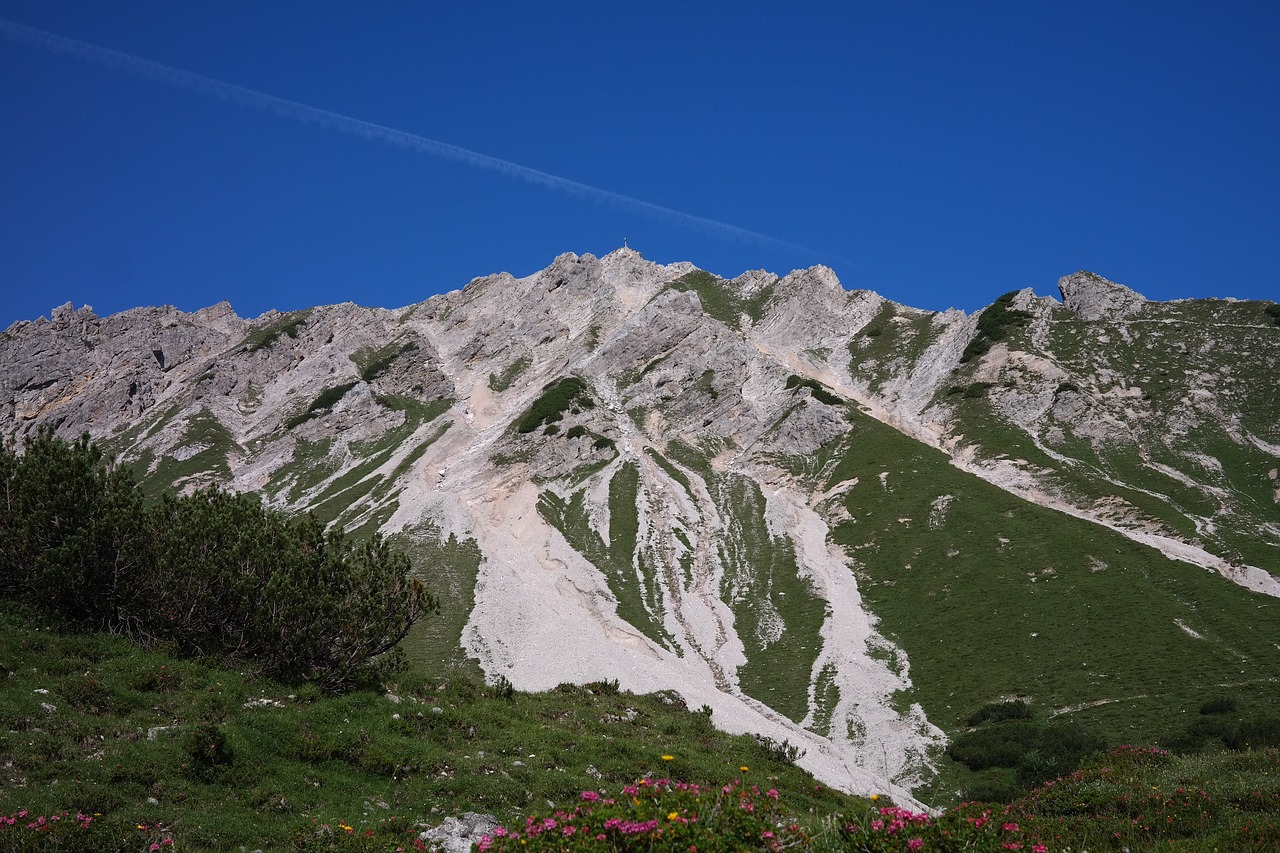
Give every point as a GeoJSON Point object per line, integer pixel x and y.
{"type": "Point", "coordinates": [839, 522]}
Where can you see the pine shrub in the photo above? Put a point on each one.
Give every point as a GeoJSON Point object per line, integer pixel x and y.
{"type": "Point", "coordinates": [211, 574]}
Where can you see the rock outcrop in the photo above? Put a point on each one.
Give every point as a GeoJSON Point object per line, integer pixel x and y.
{"type": "Point", "coordinates": [1093, 297]}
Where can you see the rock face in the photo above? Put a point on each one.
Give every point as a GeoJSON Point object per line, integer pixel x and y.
{"type": "Point", "coordinates": [624, 470]}
{"type": "Point", "coordinates": [1094, 298]}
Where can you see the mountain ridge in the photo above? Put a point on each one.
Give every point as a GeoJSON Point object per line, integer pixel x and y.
{"type": "Point", "coordinates": [669, 516]}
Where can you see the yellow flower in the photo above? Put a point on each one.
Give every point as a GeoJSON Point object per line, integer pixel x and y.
{"type": "Point", "coordinates": [673, 815]}
{"type": "Point", "coordinates": [875, 796]}
{"type": "Point", "coordinates": [744, 768]}
{"type": "Point", "coordinates": [668, 758]}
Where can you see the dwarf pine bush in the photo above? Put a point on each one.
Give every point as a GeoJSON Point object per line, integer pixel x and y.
{"type": "Point", "coordinates": [212, 574]}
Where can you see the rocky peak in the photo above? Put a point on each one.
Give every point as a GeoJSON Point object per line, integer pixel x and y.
{"type": "Point", "coordinates": [752, 282]}
{"type": "Point", "coordinates": [1095, 298]}
{"type": "Point", "coordinates": [63, 315]}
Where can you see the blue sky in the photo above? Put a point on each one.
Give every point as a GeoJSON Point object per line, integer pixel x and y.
{"type": "Point", "coordinates": [938, 153]}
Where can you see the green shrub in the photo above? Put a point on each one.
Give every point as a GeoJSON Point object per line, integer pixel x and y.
{"type": "Point", "coordinates": [975, 390]}
{"type": "Point", "coordinates": [817, 389]}
{"type": "Point", "coordinates": [998, 712]}
{"type": "Point", "coordinates": [323, 402]}
{"type": "Point", "coordinates": [211, 574]}
{"type": "Point", "coordinates": [502, 381]}
{"type": "Point", "coordinates": [87, 693]}
{"type": "Point", "coordinates": [1257, 733]}
{"type": "Point", "coordinates": [1032, 750]}
{"type": "Point", "coordinates": [784, 753]}
{"type": "Point", "coordinates": [565, 395]}
{"type": "Point", "coordinates": [995, 324]}
{"type": "Point", "coordinates": [1273, 311]}
{"type": "Point", "coordinates": [205, 746]}
{"type": "Point", "coordinates": [380, 360]}
{"type": "Point", "coordinates": [287, 324]}
{"type": "Point", "coordinates": [997, 746]}
{"type": "Point", "coordinates": [1206, 728]}
{"type": "Point", "coordinates": [300, 602]}
{"type": "Point", "coordinates": [71, 523]}
{"type": "Point", "coordinates": [1220, 705]}
{"type": "Point", "coordinates": [503, 689]}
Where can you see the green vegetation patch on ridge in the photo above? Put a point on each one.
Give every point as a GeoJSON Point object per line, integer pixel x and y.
{"type": "Point", "coordinates": [502, 381]}
{"type": "Point", "coordinates": [671, 469]}
{"type": "Point", "coordinates": [372, 363]}
{"type": "Point", "coordinates": [1152, 371]}
{"type": "Point", "coordinates": [996, 323]}
{"type": "Point", "coordinates": [341, 497]}
{"type": "Point", "coordinates": [285, 324]}
{"type": "Point", "coordinates": [819, 391]}
{"type": "Point", "coordinates": [567, 395]}
{"type": "Point", "coordinates": [890, 344]}
{"type": "Point", "coordinates": [720, 300]}
{"type": "Point", "coordinates": [323, 402]}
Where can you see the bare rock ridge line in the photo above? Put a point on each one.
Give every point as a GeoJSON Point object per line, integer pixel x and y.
{"type": "Point", "coordinates": [650, 460]}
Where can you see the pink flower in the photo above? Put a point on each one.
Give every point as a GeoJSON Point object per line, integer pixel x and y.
{"type": "Point", "coordinates": [915, 843]}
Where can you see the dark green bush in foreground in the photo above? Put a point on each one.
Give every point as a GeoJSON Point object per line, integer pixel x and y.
{"type": "Point", "coordinates": [1011, 752]}
{"type": "Point", "coordinates": [211, 574]}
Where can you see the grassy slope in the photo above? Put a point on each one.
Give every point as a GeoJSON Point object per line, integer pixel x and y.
{"type": "Point", "coordinates": [998, 597]}
{"type": "Point", "coordinates": [122, 736]}
{"type": "Point", "coordinates": [1156, 356]}
{"type": "Point", "coordinates": [115, 732]}
{"type": "Point", "coordinates": [777, 613]}
{"type": "Point", "coordinates": [449, 568]}
{"type": "Point", "coordinates": [627, 569]}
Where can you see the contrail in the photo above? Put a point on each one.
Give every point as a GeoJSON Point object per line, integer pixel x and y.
{"type": "Point", "coordinates": [285, 108]}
